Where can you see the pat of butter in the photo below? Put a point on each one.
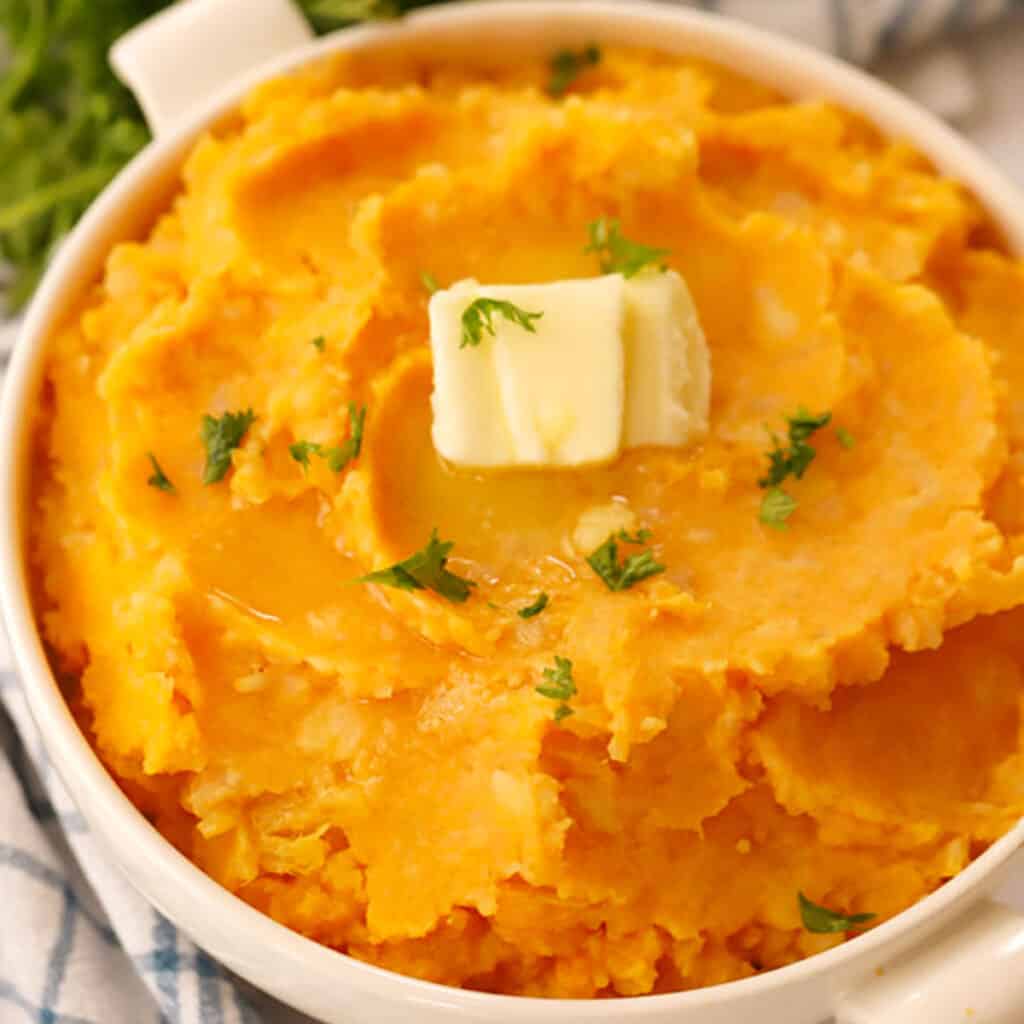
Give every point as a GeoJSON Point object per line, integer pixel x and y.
{"type": "Point", "coordinates": [668, 365]}
{"type": "Point", "coordinates": [612, 363]}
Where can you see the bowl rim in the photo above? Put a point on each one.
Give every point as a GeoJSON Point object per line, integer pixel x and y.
{"type": "Point", "coordinates": [796, 70]}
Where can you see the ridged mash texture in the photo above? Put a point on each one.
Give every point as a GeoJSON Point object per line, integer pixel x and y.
{"type": "Point", "coordinates": [834, 708]}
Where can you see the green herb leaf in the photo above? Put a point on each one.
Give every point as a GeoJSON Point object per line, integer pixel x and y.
{"type": "Point", "coordinates": [535, 608]}
{"type": "Point", "coordinates": [604, 560]}
{"type": "Point", "coordinates": [327, 14]}
{"type": "Point", "coordinates": [159, 479]}
{"type": "Point", "coordinates": [67, 125]}
{"type": "Point", "coordinates": [319, 342]}
{"type": "Point", "coordinates": [559, 685]}
{"type": "Point", "coordinates": [845, 438]}
{"type": "Point", "coordinates": [567, 65]}
{"type": "Point", "coordinates": [619, 255]}
{"type": "Point", "coordinates": [429, 282]}
{"type": "Point", "coordinates": [221, 437]}
{"type": "Point", "coordinates": [477, 318]}
{"type": "Point", "coordinates": [341, 455]}
{"type": "Point", "coordinates": [776, 507]}
{"type": "Point", "coordinates": [794, 459]}
{"type": "Point", "coordinates": [424, 570]}
{"type": "Point", "coordinates": [823, 921]}
{"type": "Point", "coordinates": [300, 451]}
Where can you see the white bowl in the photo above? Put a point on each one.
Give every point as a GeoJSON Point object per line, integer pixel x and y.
{"type": "Point", "coordinates": [196, 46]}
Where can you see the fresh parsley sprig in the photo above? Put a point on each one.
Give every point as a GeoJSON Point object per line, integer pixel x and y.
{"type": "Point", "coordinates": [567, 65]}
{"type": "Point", "coordinates": [337, 456]}
{"type": "Point", "coordinates": [618, 254]}
{"type": "Point", "coordinates": [823, 921]}
{"type": "Point", "coordinates": [535, 607]}
{"type": "Point", "coordinates": [792, 460]}
{"type": "Point", "coordinates": [159, 479]}
{"type": "Point", "coordinates": [478, 317]}
{"type": "Point", "coordinates": [425, 570]}
{"type": "Point", "coordinates": [67, 125]}
{"type": "Point", "coordinates": [559, 685]}
{"type": "Point", "coordinates": [221, 437]}
{"type": "Point", "coordinates": [617, 575]}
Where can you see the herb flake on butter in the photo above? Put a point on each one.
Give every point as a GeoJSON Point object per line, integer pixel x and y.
{"type": "Point", "coordinates": [478, 317]}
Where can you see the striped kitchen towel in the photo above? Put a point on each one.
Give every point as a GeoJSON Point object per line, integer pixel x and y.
{"type": "Point", "coordinates": [77, 945]}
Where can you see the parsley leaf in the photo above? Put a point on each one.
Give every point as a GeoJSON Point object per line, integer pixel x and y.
{"type": "Point", "coordinates": [776, 507]}
{"type": "Point", "coordinates": [535, 608]}
{"type": "Point", "coordinates": [845, 438]}
{"type": "Point", "coordinates": [604, 560]}
{"type": "Point", "coordinates": [619, 255]}
{"type": "Point", "coordinates": [328, 14]}
{"type": "Point", "coordinates": [477, 318]}
{"type": "Point", "coordinates": [791, 460]}
{"type": "Point", "coordinates": [823, 921]}
{"type": "Point", "coordinates": [429, 281]}
{"type": "Point", "coordinates": [67, 125]}
{"type": "Point", "coordinates": [300, 451]}
{"type": "Point", "coordinates": [159, 479]}
{"type": "Point", "coordinates": [559, 685]}
{"type": "Point", "coordinates": [338, 456]}
{"type": "Point", "coordinates": [567, 65]}
{"type": "Point", "coordinates": [220, 438]}
{"type": "Point", "coordinates": [319, 342]}
{"type": "Point", "coordinates": [794, 460]}
{"type": "Point", "coordinates": [341, 455]}
{"type": "Point", "coordinates": [424, 570]}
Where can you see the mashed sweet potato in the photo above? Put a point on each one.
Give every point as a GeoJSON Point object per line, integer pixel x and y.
{"type": "Point", "coordinates": [835, 708]}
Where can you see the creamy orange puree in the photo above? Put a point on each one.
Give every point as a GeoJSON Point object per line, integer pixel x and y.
{"type": "Point", "coordinates": [834, 708]}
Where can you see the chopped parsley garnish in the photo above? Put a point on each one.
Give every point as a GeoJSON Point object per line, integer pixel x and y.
{"type": "Point", "coordinates": [567, 65]}
{"type": "Point", "coordinates": [429, 281]}
{"type": "Point", "coordinates": [300, 451]}
{"type": "Point", "coordinates": [337, 456]}
{"type": "Point", "coordinates": [559, 685]}
{"type": "Point", "coordinates": [424, 570]}
{"type": "Point", "coordinates": [619, 255]}
{"type": "Point", "coordinates": [220, 438]}
{"type": "Point", "coordinates": [319, 342]}
{"type": "Point", "coordinates": [785, 461]}
{"type": "Point", "coordinates": [776, 507]}
{"type": "Point", "coordinates": [622, 575]}
{"type": "Point", "coordinates": [794, 459]}
{"type": "Point", "coordinates": [823, 921]}
{"type": "Point", "coordinates": [535, 608]}
{"type": "Point", "coordinates": [159, 479]}
{"type": "Point", "coordinates": [845, 438]}
{"type": "Point", "coordinates": [477, 318]}
{"type": "Point", "coordinates": [341, 455]}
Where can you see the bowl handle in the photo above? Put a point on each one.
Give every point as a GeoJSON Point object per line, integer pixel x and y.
{"type": "Point", "coordinates": [180, 57]}
{"type": "Point", "coordinates": [973, 972]}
